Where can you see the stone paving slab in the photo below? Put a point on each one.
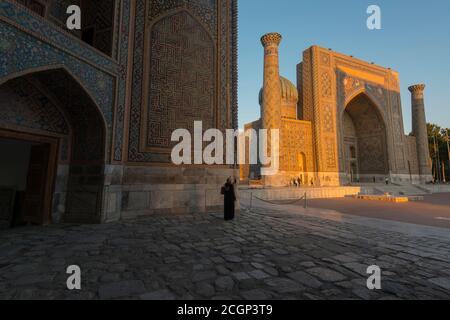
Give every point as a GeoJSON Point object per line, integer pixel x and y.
{"type": "Point", "coordinates": [260, 255]}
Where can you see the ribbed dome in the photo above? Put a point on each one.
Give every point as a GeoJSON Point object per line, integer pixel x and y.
{"type": "Point", "coordinates": [289, 91]}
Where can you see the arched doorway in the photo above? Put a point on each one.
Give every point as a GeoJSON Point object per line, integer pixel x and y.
{"type": "Point", "coordinates": [365, 144]}
{"type": "Point", "coordinates": [56, 133]}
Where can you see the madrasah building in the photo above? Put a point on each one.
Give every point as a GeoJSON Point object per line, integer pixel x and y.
{"type": "Point", "coordinates": [86, 116]}
{"type": "Point", "coordinates": [342, 123]}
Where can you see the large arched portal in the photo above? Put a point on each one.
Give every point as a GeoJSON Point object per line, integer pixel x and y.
{"type": "Point", "coordinates": [54, 136]}
{"type": "Point", "coordinates": [365, 147]}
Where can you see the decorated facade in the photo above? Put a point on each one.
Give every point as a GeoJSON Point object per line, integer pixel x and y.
{"type": "Point", "coordinates": [92, 110]}
{"type": "Point", "coordinates": [342, 123]}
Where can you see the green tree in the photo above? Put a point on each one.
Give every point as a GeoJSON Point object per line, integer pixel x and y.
{"type": "Point", "coordinates": [439, 153]}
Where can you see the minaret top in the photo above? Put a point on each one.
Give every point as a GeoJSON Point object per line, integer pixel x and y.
{"type": "Point", "coordinates": [418, 88]}
{"type": "Point", "coordinates": [271, 38]}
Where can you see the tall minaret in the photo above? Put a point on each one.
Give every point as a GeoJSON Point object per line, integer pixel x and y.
{"type": "Point", "coordinates": [271, 99]}
{"type": "Point", "coordinates": [271, 96]}
{"type": "Point", "coordinates": [419, 125]}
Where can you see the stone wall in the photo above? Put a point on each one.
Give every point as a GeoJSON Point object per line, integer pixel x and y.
{"type": "Point", "coordinates": [140, 190]}
{"type": "Point", "coordinates": [298, 193]}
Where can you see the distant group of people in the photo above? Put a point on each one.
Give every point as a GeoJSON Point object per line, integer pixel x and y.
{"type": "Point", "coordinates": [298, 182]}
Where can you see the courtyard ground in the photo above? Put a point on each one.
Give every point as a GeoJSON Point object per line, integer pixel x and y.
{"type": "Point", "coordinates": [433, 211]}
{"type": "Point", "coordinates": [273, 252]}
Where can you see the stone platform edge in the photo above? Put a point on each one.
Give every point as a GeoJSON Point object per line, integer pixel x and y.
{"type": "Point", "coordinates": [297, 193]}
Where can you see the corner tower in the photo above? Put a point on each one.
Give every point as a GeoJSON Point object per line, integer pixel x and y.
{"type": "Point", "coordinates": [419, 125]}
{"type": "Point", "coordinates": [271, 95]}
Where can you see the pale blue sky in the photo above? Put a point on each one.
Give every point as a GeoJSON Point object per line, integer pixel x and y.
{"type": "Point", "coordinates": [414, 40]}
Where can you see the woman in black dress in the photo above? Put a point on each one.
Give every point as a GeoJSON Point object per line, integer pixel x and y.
{"type": "Point", "coordinates": [228, 190]}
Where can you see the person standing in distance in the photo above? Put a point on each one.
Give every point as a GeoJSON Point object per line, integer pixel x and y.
{"type": "Point", "coordinates": [229, 192]}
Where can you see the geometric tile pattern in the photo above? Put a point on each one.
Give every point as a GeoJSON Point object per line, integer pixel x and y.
{"type": "Point", "coordinates": [328, 121]}
{"type": "Point", "coordinates": [22, 105]}
{"type": "Point", "coordinates": [271, 97]}
{"type": "Point", "coordinates": [234, 64]}
{"type": "Point", "coordinates": [30, 22]}
{"type": "Point", "coordinates": [123, 79]}
{"type": "Point", "coordinates": [182, 84]}
{"type": "Point", "coordinates": [28, 41]}
{"type": "Point", "coordinates": [224, 55]}
{"type": "Point", "coordinates": [100, 75]}
{"type": "Point", "coordinates": [207, 12]}
{"type": "Point", "coordinates": [295, 139]}
{"type": "Point", "coordinates": [20, 51]}
{"type": "Point", "coordinates": [326, 85]}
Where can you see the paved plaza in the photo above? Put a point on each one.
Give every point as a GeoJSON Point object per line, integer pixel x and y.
{"type": "Point", "coordinates": [273, 252]}
{"type": "Point", "coordinates": [434, 210]}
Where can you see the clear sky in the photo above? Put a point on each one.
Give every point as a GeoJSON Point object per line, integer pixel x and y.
{"type": "Point", "coordinates": [414, 40]}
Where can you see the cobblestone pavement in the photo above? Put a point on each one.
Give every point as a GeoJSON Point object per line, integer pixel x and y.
{"type": "Point", "coordinates": [261, 255]}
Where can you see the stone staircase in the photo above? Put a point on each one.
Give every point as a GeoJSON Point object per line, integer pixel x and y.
{"type": "Point", "coordinates": [403, 190]}
{"type": "Point", "coordinates": [438, 188]}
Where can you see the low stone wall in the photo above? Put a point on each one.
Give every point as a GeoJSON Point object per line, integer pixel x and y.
{"type": "Point", "coordinates": [436, 188]}
{"type": "Point", "coordinates": [131, 191]}
{"type": "Point", "coordinates": [383, 198]}
{"type": "Point", "coordinates": [171, 190]}
{"type": "Point", "coordinates": [406, 189]}
{"type": "Point", "coordinates": [170, 199]}
{"type": "Point", "coordinates": [410, 179]}
{"type": "Point", "coordinates": [60, 193]}
{"type": "Point", "coordinates": [297, 193]}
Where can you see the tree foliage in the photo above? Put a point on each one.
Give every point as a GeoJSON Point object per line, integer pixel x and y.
{"type": "Point", "coordinates": [437, 139]}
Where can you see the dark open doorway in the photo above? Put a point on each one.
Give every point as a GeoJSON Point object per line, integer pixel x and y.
{"type": "Point", "coordinates": [27, 171]}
